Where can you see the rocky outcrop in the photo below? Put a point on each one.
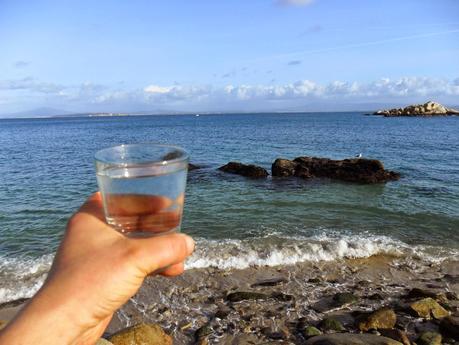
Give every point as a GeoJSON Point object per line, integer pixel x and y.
{"type": "Point", "coordinates": [353, 170]}
{"type": "Point", "coordinates": [427, 109]}
{"type": "Point", "coordinates": [250, 170]}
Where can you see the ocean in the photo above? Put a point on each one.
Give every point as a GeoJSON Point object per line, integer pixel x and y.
{"type": "Point", "coordinates": [47, 171]}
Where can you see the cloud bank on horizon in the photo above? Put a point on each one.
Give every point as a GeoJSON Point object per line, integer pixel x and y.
{"type": "Point", "coordinates": [299, 95]}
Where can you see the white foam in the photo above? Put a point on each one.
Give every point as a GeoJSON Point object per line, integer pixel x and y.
{"type": "Point", "coordinates": [21, 278]}
{"type": "Point", "coordinates": [225, 254]}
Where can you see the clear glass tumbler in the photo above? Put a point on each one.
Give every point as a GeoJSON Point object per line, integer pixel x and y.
{"type": "Point", "coordinates": [142, 187]}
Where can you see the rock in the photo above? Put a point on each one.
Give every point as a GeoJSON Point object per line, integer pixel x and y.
{"type": "Point", "coordinates": [270, 282]}
{"type": "Point", "coordinates": [245, 295]}
{"type": "Point", "coordinates": [283, 167]}
{"type": "Point", "coordinates": [103, 341]}
{"type": "Point", "coordinates": [351, 339]}
{"type": "Point", "coordinates": [427, 109]}
{"type": "Point", "coordinates": [281, 296]}
{"type": "Point", "coordinates": [429, 338]}
{"type": "Point", "coordinates": [310, 331]}
{"type": "Point", "coordinates": [141, 334]}
{"type": "Point", "coordinates": [353, 170]}
{"type": "Point", "coordinates": [453, 279]}
{"type": "Point", "coordinates": [330, 324]}
{"type": "Point", "coordinates": [344, 298]}
{"type": "Point", "coordinates": [193, 167]}
{"type": "Point", "coordinates": [422, 293]}
{"type": "Point", "coordinates": [252, 171]}
{"type": "Point", "coordinates": [449, 326]}
{"type": "Point", "coordinates": [223, 311]}
{"type": "Point", "coordinates": [382, 318]}
{"type": "Point", "coordinates": [315, 280]}
{"type": "Point", "coordinates": [428, 308]}
{"type": "Point", "coordinates": [395, 334]}
{"type": "Point", "coordinates": [280, 334]}
{"type": "Point", "coordinates": [203, 332]}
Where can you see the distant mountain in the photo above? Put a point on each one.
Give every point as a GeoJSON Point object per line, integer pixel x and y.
{"type": "Point", "coordinates": [39, 112]}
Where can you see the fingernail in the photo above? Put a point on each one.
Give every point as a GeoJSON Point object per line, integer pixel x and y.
{"type": "Point", "coordinates": [189, 244]}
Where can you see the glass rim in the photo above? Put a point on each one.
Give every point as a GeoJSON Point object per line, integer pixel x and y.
{"type": "Point", "coordinates": [154, 162]}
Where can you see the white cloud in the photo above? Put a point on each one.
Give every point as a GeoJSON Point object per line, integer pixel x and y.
{"type": "Point", "coordinates": [245, 96]}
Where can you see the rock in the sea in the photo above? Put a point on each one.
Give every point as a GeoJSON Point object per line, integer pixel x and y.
{"type": "Point", "coordinates": [427, 109]}
{"type": "Point", "coordinates": [310, 331]}
{"type": "Point", "coordinates": [428, 308]}
{"type": "Point", "coordinates": [141, 334]}
{"type": "Point", "coordinates": [245, 295]}
{"type": "Point", "coordinates": [330, 325]}
{"type": "Point", "coordinates": [193, 167]}
{"type": "Point", "coordinates": [395, 334]}
{"type": "Point", "coordinates": [449, 326]}
{"type": "Point", "coordinates": [351, 339]}
{"type": "Point", "coordinates": [344, 298]}
{"type": "Point", "coordinates": [103, 341]}
{"type": "Point", "coordinates": [429, 338]}
{"type": "Point", "coordinates": [283, 167]}
{"type": "Point", "coordinates": [380, 319]}
{"type": "Point", "coordinates": [353, 170]}
{"type": "Point", "coordinates": [250, 170]}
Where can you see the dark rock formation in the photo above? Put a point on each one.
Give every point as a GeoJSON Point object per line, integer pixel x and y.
{"type": "Point", "coordinates": [353, 170]}
{"type": "Point", "coordinates": [427, 109]}
{"type": "Point", "coordinates": [193, 167]}
{"type": "Point", "coordinates": [244, 170]}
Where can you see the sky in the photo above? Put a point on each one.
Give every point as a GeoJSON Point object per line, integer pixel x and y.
{"type": "Point", "coordinates": [226, 55]}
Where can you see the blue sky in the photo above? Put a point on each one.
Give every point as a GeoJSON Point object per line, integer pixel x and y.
{"type": "Point", "coordinates": [226, 55]}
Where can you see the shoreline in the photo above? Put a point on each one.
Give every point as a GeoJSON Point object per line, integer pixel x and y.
{"type": "Point", "coordinates": [287, 297]}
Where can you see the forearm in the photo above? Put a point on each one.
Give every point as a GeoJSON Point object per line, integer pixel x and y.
{"type": "Point", "coordinates": [42, 321]}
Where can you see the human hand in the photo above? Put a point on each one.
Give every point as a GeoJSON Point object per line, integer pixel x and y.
{"type": "Point", "coordinates": [95, 271]}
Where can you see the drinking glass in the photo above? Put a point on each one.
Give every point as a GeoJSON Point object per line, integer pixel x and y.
{"type": "Point", "coordinates": [142, 187]}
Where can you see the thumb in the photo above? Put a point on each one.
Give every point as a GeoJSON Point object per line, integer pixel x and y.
{"type": "Point", "coordinates": [155, 253]}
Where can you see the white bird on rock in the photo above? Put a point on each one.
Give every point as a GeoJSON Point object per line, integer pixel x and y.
{"type": "Point", "coordinates": [358, 156]}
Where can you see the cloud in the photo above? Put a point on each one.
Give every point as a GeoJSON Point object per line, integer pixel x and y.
{"type": "Point", "coordinates": [295, 2]}
{"type": "Point", "coordinates": [21, 64]}
{"type": "Point", "coordinates": [91, 96]}
{"type": "Point", "coordinates": [294, 62]}
{"type": "Point", "coordinates": [31, 84]}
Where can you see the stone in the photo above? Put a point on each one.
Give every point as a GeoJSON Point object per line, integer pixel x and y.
{"type": "Point", "coordinates": [280, 334]}
{"type": "Point", "coordinates": [396, 334]}
{"type": "Point", "coordinates": [428, 308]}
{"type": "Point", "coordinates": [427, 109]}
{"type": "Point", "coordinates": [449, 326]}
{"type": "Point", "coordinates": [331, 324]}
{"type": "Point", "coordinates": [250, 170]}
{"type": "Point", "coordinates": [103, 341]}
{"type": "Point", "coordinates": [270, 282]}
{"type": "Point", "coordinates": [429, 338]}
{"type": "Point", "coordinates": [245, 295]}
{"type": "Point", "coordinates": [283, 167]}
{"type": "Point", "coordinates": [344, 298]}
{"type": "Point", "coordinates": [423, 293]}
{"type": "Point", "coordinates": [203, 332]}
{"type": "Point", "coordinates": [223, 311]}
{"type": "Point", "coordinates": [141, 334]}
{"type": "Point", "coordinates": [310, 331]}
{"type": "Point", "coordinates": [351, 339]}
{"type": "Point", "coordinates": [282, 296]}
{"type": "Point", "coordinates": [382, 318]}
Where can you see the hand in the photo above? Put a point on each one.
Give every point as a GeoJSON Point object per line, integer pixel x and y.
{"type": "Point", "coordinates": [95, 271]}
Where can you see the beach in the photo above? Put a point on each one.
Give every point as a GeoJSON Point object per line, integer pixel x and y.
{"type": "Point", "coordinates": [261, 305]}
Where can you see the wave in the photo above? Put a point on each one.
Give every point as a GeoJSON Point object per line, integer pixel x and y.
{"type": "Point", "coordinates": [22, 277]}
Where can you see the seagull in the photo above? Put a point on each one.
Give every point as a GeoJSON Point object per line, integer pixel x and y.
{"type": "Point", "coordinates": [358, 156]}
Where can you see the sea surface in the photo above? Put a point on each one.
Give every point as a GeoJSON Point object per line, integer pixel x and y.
{"type": "Point", "coordinates": [47, 171]}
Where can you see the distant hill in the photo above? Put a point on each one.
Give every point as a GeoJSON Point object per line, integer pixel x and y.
{"type": "Point", "coordinates": [39, 112]}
